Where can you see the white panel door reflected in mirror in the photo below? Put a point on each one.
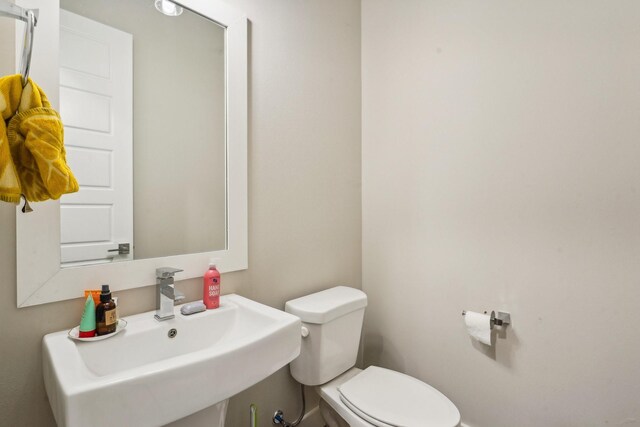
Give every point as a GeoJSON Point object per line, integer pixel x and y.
{"type": "Point", "coordinates": [96, 98]}
{"type": "Point", "coordinates": [145, 131]}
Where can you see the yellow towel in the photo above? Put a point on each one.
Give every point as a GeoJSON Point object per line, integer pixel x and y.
{"type": "Point", "coordinates": [32, 156]}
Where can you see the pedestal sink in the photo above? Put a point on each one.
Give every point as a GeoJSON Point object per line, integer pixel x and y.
{"type": "Point", "coordinates": [142, 377]}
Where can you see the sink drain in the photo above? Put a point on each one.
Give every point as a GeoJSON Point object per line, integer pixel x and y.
{"type": "Point", "coordinates": [172, 333]}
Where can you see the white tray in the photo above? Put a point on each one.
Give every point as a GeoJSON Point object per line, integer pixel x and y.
{"type": "Point", "coordinates": [74, 333]}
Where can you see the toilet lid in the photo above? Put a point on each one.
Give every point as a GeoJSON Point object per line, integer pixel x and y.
{"type": "Point", "coordinates": [389, 398]}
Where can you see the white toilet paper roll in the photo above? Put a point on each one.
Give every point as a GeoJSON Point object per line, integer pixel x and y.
{"type": "Point", "coordinates": [478, 326]}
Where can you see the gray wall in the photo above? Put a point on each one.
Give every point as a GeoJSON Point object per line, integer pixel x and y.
{"type": "Point", "coordinates": [500, 171]}
{"type": "Point", "coordinates": [304, 198]}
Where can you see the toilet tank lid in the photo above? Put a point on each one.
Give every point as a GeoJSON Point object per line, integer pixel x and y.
{"type": "Point", "coordinates": [327, 305]}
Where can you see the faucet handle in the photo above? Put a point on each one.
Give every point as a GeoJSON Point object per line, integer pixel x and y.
{"type": "Point", "coordinates": [166, 272]}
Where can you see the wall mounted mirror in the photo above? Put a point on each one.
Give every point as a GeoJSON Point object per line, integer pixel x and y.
{"type": "Point", "coordinates": [142, 97]}
{"type": "Point", "coordinates": [155, 114]}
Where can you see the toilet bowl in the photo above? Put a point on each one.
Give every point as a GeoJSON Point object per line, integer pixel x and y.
{"type": "Point", "coordinates": [332, 322]}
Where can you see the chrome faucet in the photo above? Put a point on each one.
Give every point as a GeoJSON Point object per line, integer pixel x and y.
{"type": "Point", "coordinates": [166, 293]}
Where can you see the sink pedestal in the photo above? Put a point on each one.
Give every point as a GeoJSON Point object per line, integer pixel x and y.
{"type": "Point", "coordinates": [213, 416]}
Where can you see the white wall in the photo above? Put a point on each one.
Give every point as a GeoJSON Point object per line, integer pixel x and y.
{"type": "Point", "coordinates": [500, 170]}
{"type": "Point", "coordinates": [304, 198]}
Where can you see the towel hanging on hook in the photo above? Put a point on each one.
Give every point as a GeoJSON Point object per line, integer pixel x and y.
{"type": "Point", "coordinates": [30, 17]}
{"type": "Point", "coordinates": [35, 151]}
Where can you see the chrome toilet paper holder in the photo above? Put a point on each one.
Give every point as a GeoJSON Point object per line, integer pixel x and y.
{"type": "Point", "coordinates": [501, 319]}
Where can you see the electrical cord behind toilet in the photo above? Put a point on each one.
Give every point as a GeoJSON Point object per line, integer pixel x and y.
{"type": "Point", "coordinates": [278, 417]}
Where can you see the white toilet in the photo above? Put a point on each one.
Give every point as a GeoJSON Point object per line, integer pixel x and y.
{"type": "Point", "coordinates": [350, 396]}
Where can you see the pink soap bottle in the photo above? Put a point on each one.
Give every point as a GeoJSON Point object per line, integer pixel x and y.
{"type": "Point", "coordinates": [211, 289]}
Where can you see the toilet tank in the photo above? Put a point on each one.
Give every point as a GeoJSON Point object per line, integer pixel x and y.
{"type": "Point", "coordinates": [334, 320]}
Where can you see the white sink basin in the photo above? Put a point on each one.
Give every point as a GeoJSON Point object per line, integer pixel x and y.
{"type": "Point", "coordinates": [141, 377]}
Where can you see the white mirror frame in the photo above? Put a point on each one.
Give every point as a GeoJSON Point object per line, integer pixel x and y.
{"type": "Point", "coordinates": [40, 279]}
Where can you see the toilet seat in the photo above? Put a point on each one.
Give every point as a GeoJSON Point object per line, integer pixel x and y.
{"type": "Point", "coordinates": [388, 398]}
{"type": "Point", "coordinates": [364, 416]}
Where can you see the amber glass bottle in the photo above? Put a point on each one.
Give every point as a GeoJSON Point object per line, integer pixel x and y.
{"type": "Point", "coordinates": [106, 313]}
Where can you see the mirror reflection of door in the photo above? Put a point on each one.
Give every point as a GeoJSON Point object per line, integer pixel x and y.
{"type": "Point", "coordinates": [96, 108]}
{"type": "Point", "coordinates": [177, 113]}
